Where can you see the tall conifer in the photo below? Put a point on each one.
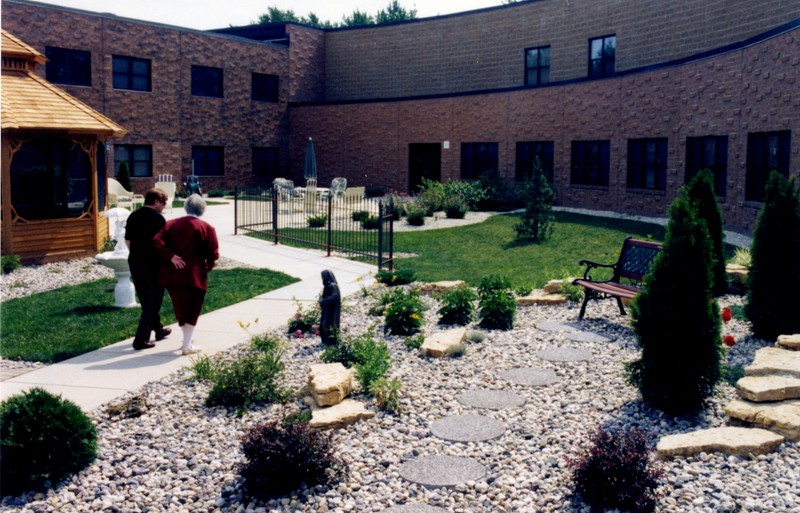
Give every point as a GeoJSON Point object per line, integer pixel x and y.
{"type": "Point", "coordinates": [701, 192]}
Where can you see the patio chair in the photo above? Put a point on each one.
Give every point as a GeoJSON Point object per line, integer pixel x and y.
{"type": "Point", "coordinates": [167, 184]}
{"type": "Point", "coordinates": [338, 186]}
{"type": "Point", "coordinates": [119, 196]}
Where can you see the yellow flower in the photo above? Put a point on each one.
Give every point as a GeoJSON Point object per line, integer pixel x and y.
{"type": "Point", "coordinates": [415, 316]}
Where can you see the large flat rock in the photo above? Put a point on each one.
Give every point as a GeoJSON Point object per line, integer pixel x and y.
{"type": "Point", "coordinates": [774, 360]}
{"type": "Point", "coordinates": [782, 417]}
{"type": "Point", "coordinates": [440, 286]}
{"type": "Point", "coordinates": [737, 273]}
{"type": "Point", "coordinates": [441, 343]}
{"type": "Point", "coordinates": [739, 441]}
{"type": "Point", "coordinates": [330, 383]}
{"type": "Point", "coordinates": [539, 297]}
{"type": "Point", "coordinates": [791, 342]}
{"type": "Point", "coordinates": [761, 389]}
{"type": "Point", "coordinates": [345, 413]}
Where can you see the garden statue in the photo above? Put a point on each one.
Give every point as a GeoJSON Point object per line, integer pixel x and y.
{"type": "Point", "coordinates": [330, 303]}
{"type": "Point", "coordinates": [124, 293]}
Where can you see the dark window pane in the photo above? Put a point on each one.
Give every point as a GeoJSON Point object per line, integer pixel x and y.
{"type": "Point", "coordinates": [69, 67]}
{"type": "Point", "coordinates": [208, 160]}
{"type": "Point", "coordinates": [647, 164]}
{"type": "Point", "coordinates": [265, 87]}
{"type": "Point", "coordinates": [477, 159]}
{"type": "Point", "coordinates": [527, 153]}
{"type": "Point", "coordinates": [139, 158]}
{"type": "Point", "coordinates": [537, 65]}
{"type": "Point", "coordinates": [766, 152]}
{"type": "Point", "coordinates": [590, 163]}
{"type": "Point", "coordinates": [710, 153]}
{"type": "Point", "coordinates": [207, 81]}
{"type": "Point", "coordinates": [602, 52]}
{"type": "Point", "coordinates": [131, 73]}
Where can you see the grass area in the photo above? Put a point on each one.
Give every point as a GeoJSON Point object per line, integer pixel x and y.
{"type": "Point", "coordinates": [59, 324]}
{"type": "Point", "coordinates": [178, 203]}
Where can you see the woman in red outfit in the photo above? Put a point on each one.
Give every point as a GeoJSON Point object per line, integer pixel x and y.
{"type": "Point", "coordinates": [191, 247]}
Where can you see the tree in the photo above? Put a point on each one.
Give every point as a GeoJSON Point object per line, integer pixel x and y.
{"type": "Point", "coordinates": [537, 220]}
{"type": "Point", "coordinates": [124, 176]}
{"type": "Point", "coordinates": [394, 12]}
{"type": "Point", "coordinates": [677, 321]}
{"type": "Point", "coordinates": [276, 15]}
{"type": "Point", "coordinates": [700, 190]}
{"type": "Point", "coordinates": [774, 277]}
{"type": "Point", "coordinates": [358, 18]}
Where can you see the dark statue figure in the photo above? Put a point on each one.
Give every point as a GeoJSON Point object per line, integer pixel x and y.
{"type": "Point", "coordinates": [330, 305]}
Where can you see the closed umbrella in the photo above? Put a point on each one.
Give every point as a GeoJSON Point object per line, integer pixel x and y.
{"type": "Point", "coordinates": [310, 171]}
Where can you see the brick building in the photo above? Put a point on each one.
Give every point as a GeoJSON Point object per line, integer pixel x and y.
{"type": "Point", "coordinates": [622, 101]}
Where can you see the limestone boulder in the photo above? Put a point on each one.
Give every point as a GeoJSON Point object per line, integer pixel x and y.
{"type": "Point", "coordinates": [790, 342]}
{"type": "Point", "coordinates": [554, 286]}
{"type": "Point", "coordinates": [737, 273]}
{"type": "Point", "coordinates": [774, 360]}
{"type": "Point", "coordinates": [343, 414]}
{"type": "Point", "coordinates": [739, 441]}
{"type": "Point", "coordinates": [440, 286]}
{"type": "Point", "coordinates": [768, 388]}
{"type": "Point", "coordinates": [330, 383]}
{"type": "Point", "coordinates": [441, 343]}
{"type": "Point", "coordinates": [782, 417]}
{"type": "Point", "coordinates": [539, 297]}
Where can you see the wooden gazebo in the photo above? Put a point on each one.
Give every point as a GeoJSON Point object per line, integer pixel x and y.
{"type": "Point", "coordinates": [53, 159]}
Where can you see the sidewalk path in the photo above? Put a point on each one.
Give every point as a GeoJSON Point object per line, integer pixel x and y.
{"type": "Point", "coordinates": [95, 378]}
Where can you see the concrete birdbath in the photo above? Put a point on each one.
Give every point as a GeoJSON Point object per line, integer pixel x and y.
{"type": "Point", "coordinates": [124, 293]}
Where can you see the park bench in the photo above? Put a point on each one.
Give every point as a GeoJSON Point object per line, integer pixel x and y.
{"type": "Point", "coordinates": [628, 273]}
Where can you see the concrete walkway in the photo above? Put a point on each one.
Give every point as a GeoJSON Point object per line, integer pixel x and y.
{"type": "Point", "coordinates": [95, 378]}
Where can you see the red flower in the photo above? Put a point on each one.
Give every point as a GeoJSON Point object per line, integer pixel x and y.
{"type": "Point", "coordinates": [298, 334]}
{"type": "Point", "coordinates": [729, 341]}
{"type": "Point", "coordinates": [726, 314]}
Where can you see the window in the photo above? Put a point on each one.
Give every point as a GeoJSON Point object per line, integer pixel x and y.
{"type": "Point", "coordinates": [537, 66]}
{"type": "Point", "coordinates": [477, 159]}
{"type": "Point", "coordinates": [766, 152]}
{"type": "Point", "coordinates": [647, 164]}
{"type": "Point", "coordinates": [68, 67]}
{"type": "Point", "coordinates": [265, 87]}
{"type": "Point", "coordinates": [131, 73]}
{"type": "Point", "coordinates": [265, 162]}
{"type": "Point", "coordinates": [208, 160]}
{"type": "Point", "coordinates": [709, 152]}
{"type": "Point", "coordinates": [590, 163]}
{"type": "Point", "coordinates": [602, 51]}
{"type": "Point", "coordinates": [138, 156]}
{"type": "Point", "coordinates": [527, 152]}
{"type": "Point", "coordinates": [206, 81]}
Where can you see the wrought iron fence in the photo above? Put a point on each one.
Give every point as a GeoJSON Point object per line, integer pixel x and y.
{"type": "Point", "coordinates": [347, 225]}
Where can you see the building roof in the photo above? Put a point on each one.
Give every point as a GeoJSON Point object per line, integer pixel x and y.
{"type": "Point", "coordinates": [31, 102]}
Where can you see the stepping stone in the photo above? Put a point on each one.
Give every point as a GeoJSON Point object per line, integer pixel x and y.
{"type": "Point", "coordinates": [564, 354]}
{"type": "Point", "coordinates": [557, 326]}
{"type": "Point", "coordinates": [439, 470]}
{"type": "Point", "coordinates": [440, 286]}
{"type": "Point", "coordinates": [774, 360]}
{"type": "Point", "coordinates": [791, 342]}
{"type": "Point", "coordinates": [737, 273]}
{"type": "Point", "coordinates": [345, 413]}
{"type": "Point", "coordinates": [441, 343]}
{"type": "Point", "coordinates": [737, 441]}
{"type": "Point", "coordinates": [586, 336]}
{"type": "Point", "coordinates": [415, 508]}
{"type": "Point", "coordinates": [530, 376]}
{"type": "Point", "coordinates": [330, 383]}
{"type": "Point", "coordinates": [782, 417]}
{"type": "Point", "coordinates": [468, 428]}
{"type": "Point", "coordinates": [768, 388]}
{"type": "Point", "coordinates": [491, 399]}
{"type": "Point", "coordinates": [538, 297]}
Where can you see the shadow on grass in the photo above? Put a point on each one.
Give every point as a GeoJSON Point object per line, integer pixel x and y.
{"type": "Point", "coordinates": [90, 310]}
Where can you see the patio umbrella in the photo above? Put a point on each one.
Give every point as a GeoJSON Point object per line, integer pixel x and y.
{"type": "Point", "coordinates": [310, 171]}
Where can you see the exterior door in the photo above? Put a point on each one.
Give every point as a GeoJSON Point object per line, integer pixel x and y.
{"type": "Point", "coordinates": [424, 161]}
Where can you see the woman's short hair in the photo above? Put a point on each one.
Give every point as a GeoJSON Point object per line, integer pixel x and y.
{"type": "Point", "coordinates": [195, 205]}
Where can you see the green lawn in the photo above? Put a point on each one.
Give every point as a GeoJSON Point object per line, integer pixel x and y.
{"type": "Point", "coordinates": [59, 324]}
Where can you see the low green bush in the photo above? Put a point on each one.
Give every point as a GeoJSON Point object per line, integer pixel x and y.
{"type": "Point", "coordinates": [318, 221]}
{"type": "Point", "coordinates": [523, 290]}
{"type": "Point", "coordinates": [43, 439]}
{"type": "Point", "coordinates": [498, 307]}
{"type": "Point", "coordinates": [359, 215]}
{"type": "Point", "coordinates": [9, 263]}
{"type": "Point", "coordinates": [455, 207]}
{"type": "Point", "coordinates": [458, 306]}
{"type": "Point", "coordinates": [405, 315]}
{"type": "Point", "coordinates": [458, 191]}
{"type": "Point", "coordinates": [414, 342]}
{"type": "Point", "coordinates": [374, 362]}
{"type": "Point", "coordinates": [395, 276]}
{"type": "Point", "coordinates": [492, 283]}
{"type": "Point", "coordinates": [415, 216]}
{"type": "Point", "coordinates": [572, 292]}
{"type": "Point", "coordinates": [219, 193]}
{"type": "Point", "coordinates": [457, 351]}
{"type": "Point", "coordinates": [476, 336]}
{"type": "Point", "coordinates": [371, 223]}
{"type": "Point", "coordinates": [387, 394]}
{"type": "Point", "coordinates": [304, 320]}
{"type": "Point", "coordinates": [349, 351]}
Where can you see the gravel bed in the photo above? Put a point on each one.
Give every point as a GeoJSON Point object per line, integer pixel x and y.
{"type": "Point", "coordinates": [181, 456]}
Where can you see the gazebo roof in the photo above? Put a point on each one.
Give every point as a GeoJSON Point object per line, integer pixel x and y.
{"type": "Point", "coordinates": [31, 102]}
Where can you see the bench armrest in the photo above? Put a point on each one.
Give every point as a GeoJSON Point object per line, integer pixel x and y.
{"type": "Point", "coordinates": [587, 274]}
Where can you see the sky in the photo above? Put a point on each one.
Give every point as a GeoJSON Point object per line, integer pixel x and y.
{"type": "Point", "coordinates": [211, 14]}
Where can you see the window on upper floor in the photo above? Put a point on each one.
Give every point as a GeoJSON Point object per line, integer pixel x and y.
{"type": "Point", "coordinates": [68, 67]}
{"type": "Point", "coordinates": [206, 81]}
{"type": "Point", "coordinates": [265, 87]}
{"type": "Point", "coordinates": [590, 163]}
{"type": "Point", "coordinates": [537, 65]}
{"type": "Point", "coordinates": [139, 158]}
{"type": "Point", "coordinates": [766, 152]}
{"type": "Point", "coordinates": [602, 51]}
{"type": "Point", "coordinates": [708, 152]}
{"type": "Point", "coordinates": [477, 159]}
{"type": "Point", "coordinates": [208, 160]}
{"type": "Point", "coordinates": [527, 153]}
{"type": "Point", "coordinates": [647, 164]}
{"type": "Point", "coordinates": [265, 162]}
{"type": "Point", "coordinates": [131, 73]}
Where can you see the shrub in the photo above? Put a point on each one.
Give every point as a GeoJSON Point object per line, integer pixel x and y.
{"type": "Point", "coordinates": [492, 283]}
{"type": "Point", "coordinates": [392, 277]}
{"type": "Point", "coordinates": [350, 351]}
{"type": "Point", "coordinates": [455, 207]}
{"type": "Point", "coordinates": [616, 472]}
{"type": "Point", "coordinates": [476, 336]}
{"type": "Point", "coordinates": [731, 374]}
{"type": "Point", "coordinates": [523, 290]}
{"type": "Point", "coordinates": [317, 221]}
{"type": "Point", "coordinates": [371, 223]}
{"type": "Point", "coordinates": [571, 291]}
{"type": "Point", "coordinates": [470, 193]}
{"type": "Point", "coordinates": [678, 327]}
{"type": "Point", "coordinates": [458, 306]}
{"type": "Point", "coordinates": [742, 256]}
{"type": "Point", "coordinates": [397, 203]}
{"type": "Point", "coordinates": [280, 456]}
{"type": "Point", "coordinates": [537, 222]}
{"type": "Point", "coordinates": [414, 342]}
{"type": "Point", "coordinates": [700, 191]}
{"type": "Point", "coordinates": [457, 351]}
{"type": "Point", "coordinates": [373, 363]}
{"type": "Point", "coordinates": [404, 316]}
{"type": "Point", "coordinates": [498, 307]}
{"type": "Point", "coordinates": [219, 193]}
{"type": "Point", "coordinates": [416, 216]}
{"type": "Point", "coordinates": [774, 275]}
{"type": "Point", "coordinates": [10, 263]}
{"type": "Point", "coordinates": [431, 195]}
{"type": "Point", "coordinates": [124, 176]}
{"type": "Point", "coordinates": [387, 394]}
{"type": "Point", "coordinates": [359, 215]}
{"type": "Point", "coordinates": [43, 439]}
{"type": "Point", "coordinates": [500, 194]}
{"type": "Point", "coordinates": [304, 320]}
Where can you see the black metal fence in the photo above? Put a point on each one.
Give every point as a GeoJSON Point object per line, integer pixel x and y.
{"type": "Point", "coordinates": [348, 225]}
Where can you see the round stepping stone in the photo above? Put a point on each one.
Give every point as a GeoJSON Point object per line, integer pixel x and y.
{"type": "Point", "coordinates": [415, 508]}
{"type": "Point", "coordinates": [585, 336]}
{"type": "Point", "coordinates": [442, 470]}
{"type": "Point", "coordinates": [564, 354]}
{"type": "Point", "coordinates": [491, 399]}
{"type": "Point", "coordinates": [556, 326]}
{"type": "Point", "coordinates": [468, 428]}
{"type": "Point", "coordinates": [530, 376]}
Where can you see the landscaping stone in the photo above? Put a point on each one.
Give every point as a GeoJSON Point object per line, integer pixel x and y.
{"type": "Point", "coordinates": [586, 336]}
{"type": "Point", "coordinates": [774, 360]}
{"type": "Point", "coordinates": [737, 441]}
{"type": "Point", "coordinates": [468, 428]}
{"type": "Point", "coordinates": [737, 273]}
{"type": "Point", "coordinates": [557, 326]}
{"type": "Point", "coordinates": [768, 388]}
{"type": "Point", "coordinates": [415, 508]}
{"type": "Point", "coordinates": [491, 399]}
{"type": "Point", "coordinates": [330, 383]}
{"type": "Point", "coordinates": [345, 413]}
{"type": "Point", "coordinates": [538, 297]}
{"type": "Point", "coordinates": [791, 342]}
{"type": "Point", "coordinates": [782, 417]}
{"type": "Point", "coordinates": [440, 470]}
{"type": "Point", "coordinates": [441, 343]}
{"type": "Point", "coordinates": [554, 286]}
{"type": "Point", "coordinates": [564, 354]}
{"type": "Point", "coordinates": [440, 286]}
{"type": "Point", "coordinates": [530, 376]}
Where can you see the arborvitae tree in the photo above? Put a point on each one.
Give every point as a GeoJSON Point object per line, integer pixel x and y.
{"type": "Point", "coordinates": [537, 220]}
{"type": "Point", "coordinates": [124, 176]}
{"type": "Point", "coordinates": [774, 279]}
{"type": "Point", "coordinates": [701, 192]}
{"type": "Point", "coordinates": [677, 321]}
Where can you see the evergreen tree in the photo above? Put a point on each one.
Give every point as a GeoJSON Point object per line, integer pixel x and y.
{"type": "Point", "coordinates": [676, 320]}
{"type": "Point", "coordinates": [394, 12]}
{"type": "Point", "coordinates": [537, 220]}
{"type": "Point", "coordinates": [772, 305]}
{"type": "Point", "coordinates": [357, 19]}
{"type": "Point", "coordinates": [701, 192]}
{"type": "Point", "coordinates": [124, 176]}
